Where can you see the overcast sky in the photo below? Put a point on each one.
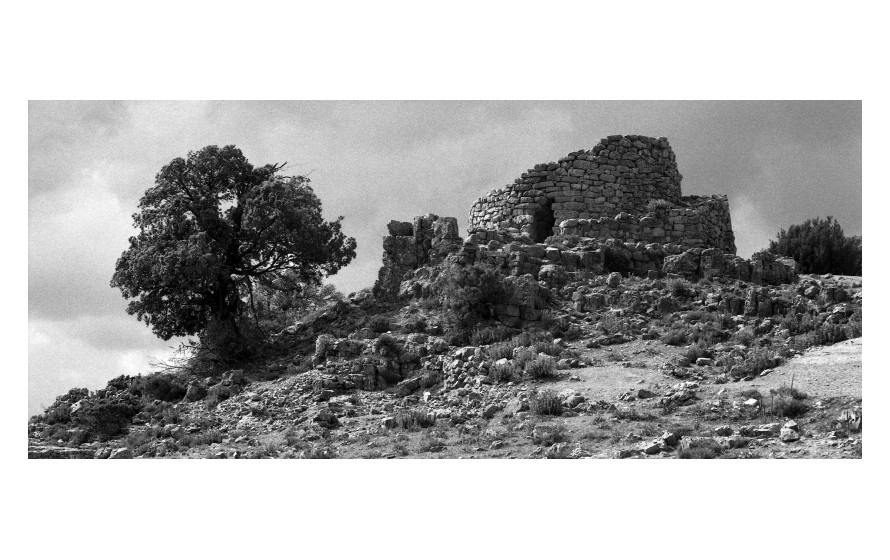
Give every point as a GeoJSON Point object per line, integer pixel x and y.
{"type": "Point", "coordinates": [89, 162]}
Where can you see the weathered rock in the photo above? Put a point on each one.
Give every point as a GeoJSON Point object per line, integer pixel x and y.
{"type": "Point", "coordinates": [121, 453]}
{"type": "Point", "coordinates": [326, 419]}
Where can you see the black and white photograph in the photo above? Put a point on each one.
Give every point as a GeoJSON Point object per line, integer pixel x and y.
{"type": "Point", "coordinates": [440, 280]}
{"type": "Point", "coordinates": [454, 280]}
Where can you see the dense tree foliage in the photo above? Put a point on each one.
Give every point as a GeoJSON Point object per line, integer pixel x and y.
{"type": "Point", "coordinates": [819, 247]}
{"type": "Point", "coordinates": [212, 230]}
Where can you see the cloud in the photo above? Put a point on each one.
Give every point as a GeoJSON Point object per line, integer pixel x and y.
{"type": "Point", "coordinates": [86, 352]}
{"type": "Point", "coordinates": [75, 236]}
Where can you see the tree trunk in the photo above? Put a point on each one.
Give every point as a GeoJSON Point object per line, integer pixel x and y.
{"type": "Point", "coordinates": [223, 335]}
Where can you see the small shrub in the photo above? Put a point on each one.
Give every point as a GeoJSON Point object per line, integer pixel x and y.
{"type": "Point", "coordinates": [751, 394]}
{"type": "Point", "coordinates": [523, 356]}
{"type": "Point", "coordinates": [756, 362]}
{"type": "Point", "coordinates": [705, 448]}
{"type": "Point", "coordinates": [200, 438]}
{"type": "Point", "coordinates": [412, 420]}
{"type": "Point", "coordinates": [676, 336]}
{"type": "Point", "coordinates": [503, 373]}
{"type": "Point", "coordinates": [540, 367]}
{"type": "Point", "coordinates": [698, 350]}
{"type": "Point", "coordinates": [379, 324]}
{"type": "Point", "coordinates": [430, 378]}
{"type": "Point", "coordinates": [788, 408]}
{"type": "Point", "coordinates": [388, 345]}
{"type": "Point", "coordinates": [792, 393]}
{"type": "Point", "coordinates": [104, 419]}
{"type": "Point", "coordinates": [457, 337]}
{"type": "Point", "coordinates": [548, 348]}
{"type": "Point", "coordinates": [489, 335]}
{"type": "Point", "coordinates": [546, 403]}
{"type": "Point", "coordinates": [744, 336]}
{"type": "Point", "coordinates": [60, 414]}
{"type": "Point", "coordinates": [160, 386]}
{"type": "Point", "coordinates": [612, 324]}
{"type": "Point", "coordinates": [680, 288]}
{"type": "Point", "coordinates": [501, 350]}
{"type": "Point", "coordinates": [826, 334]}
{"type": "Point", "coordinates": [414, 325]}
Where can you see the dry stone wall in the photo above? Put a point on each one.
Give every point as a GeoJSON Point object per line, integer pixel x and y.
{"type": "Point", "coordinates": [701, 222]}
{"type": "Point", "coordinates": [608, 192]}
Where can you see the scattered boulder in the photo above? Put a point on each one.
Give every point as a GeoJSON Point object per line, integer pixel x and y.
{"type": "Point", "coordinates": [121, 453]}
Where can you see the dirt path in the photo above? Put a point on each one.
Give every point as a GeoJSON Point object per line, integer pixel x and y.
{"type": "Point", "coordinates": [825, 371]}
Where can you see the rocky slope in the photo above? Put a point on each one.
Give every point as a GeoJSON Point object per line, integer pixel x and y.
{"type": "Point", "coordinates": [614, 366]}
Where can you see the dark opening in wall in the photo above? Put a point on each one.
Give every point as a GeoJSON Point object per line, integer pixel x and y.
{"type": "Point", "coordinates": [544, 222]}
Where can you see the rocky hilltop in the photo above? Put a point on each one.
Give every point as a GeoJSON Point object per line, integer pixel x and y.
{"type": "Point", "coordinates": [591, 311]}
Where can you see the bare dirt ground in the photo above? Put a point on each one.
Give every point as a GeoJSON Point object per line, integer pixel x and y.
{"type": "Point", "coordinates": [824, 372]}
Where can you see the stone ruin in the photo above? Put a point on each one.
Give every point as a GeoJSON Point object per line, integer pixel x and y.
{"type": "Point", "coordinates": [625, 188]}
{"type": "Point", "coordinates": [615, 208]}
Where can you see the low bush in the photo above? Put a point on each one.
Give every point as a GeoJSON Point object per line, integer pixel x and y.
{"type": "Point", "coordinates": [751, 394]}
{"type": "Point", "coordinates": [540, 367]}
{"type": "Point", "coordinates": [504, 372]}
{"type": "Point", "coordinates": [680, 288]}
{"type": "Point", "coordinates": [676, 336]}
{"type": "Point", "coordinates": [788, 408]}
{"type": "Point", "coordinates": [705, 448]}
{"type": "Point", "coordinates": [379, 324]}
{"type": "Point", "coordinates": [792, 393]}
{"type": "Point", "coordinates": [388, 345]}
{"type": "Point", "coordinates": [744, 336]}
{"type": "Point", "coordinates": [698, 350]}
{"type": "Point", "coordinates": [755, 363]}
{"type": "Point", "coordinates": [104, 419]}
{"type": "Point", "coordinates": [161, 386]}
{"type": "Point", "coordinates": [502, 350]}
{"type": "Point", "coordinates": [787, 402]}
{"type": "Point", "coordinates": [60, 414]}
{"type": "Point", "coordinates": [414, 325]}
{"type": "Point", "coordinates": [798, 323]}
{"type": "Point", "coordinates": [523, 356]}
{"type": "Point", "coordinates": [490, 335]}
{"type": "Point", "coordinates": [548, 348]}
{"type": "Point", "coordinates": [826, 334]}
{"type": "Point", "coordinates": [198, 439]}
{"type": "Point", "coordinates": [413, 419]}
{"type": "Point", "coordinates": [546, 403]}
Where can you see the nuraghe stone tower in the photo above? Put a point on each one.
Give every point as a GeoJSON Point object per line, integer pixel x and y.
{"type": "Point", "coordinates": [625, 188]}
{"type": "Point", "coordinates": [615, 208]}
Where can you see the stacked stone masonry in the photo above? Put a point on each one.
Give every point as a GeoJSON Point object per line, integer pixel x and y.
{"type": "Point", "coordinates": [615, 208]}
{"type": "Point", "coordinates": [626, 187]}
